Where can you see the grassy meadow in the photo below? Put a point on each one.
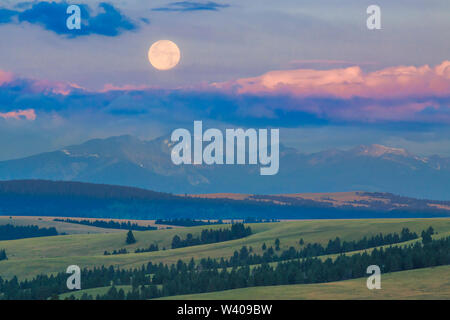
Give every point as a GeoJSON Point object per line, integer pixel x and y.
{"type": "Point", "coordinates": [29, 257]}
{"type": "Point", "coordinates": [85, 245]}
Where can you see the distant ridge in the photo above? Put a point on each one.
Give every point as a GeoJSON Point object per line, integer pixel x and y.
{"type": "Point", "coordinates": [78, 189]}
{"type": "Point", "coordinates": [76, 199]}
{"type": "Point", "coordinates": [353, 199]}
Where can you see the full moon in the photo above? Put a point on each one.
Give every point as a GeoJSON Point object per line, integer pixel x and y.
{"type": "Point", "coordinates": [164, 55]}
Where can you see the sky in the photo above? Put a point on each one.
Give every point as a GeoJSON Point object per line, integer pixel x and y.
{"type": "Point", "coordinates": [310, 68]}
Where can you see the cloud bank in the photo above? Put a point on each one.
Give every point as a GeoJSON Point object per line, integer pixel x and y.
{"type": "Point", "coordinates": [289, 98]}
{"type": "Point", "coordinates": [346, 83]}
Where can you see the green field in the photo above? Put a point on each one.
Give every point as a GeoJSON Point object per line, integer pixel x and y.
{"type": "Point", "coordinates": [427, 283]}
{"type": "Point", "coordinates": [29, 257]}
{"type": "Point", "coordinates": [47, 222]}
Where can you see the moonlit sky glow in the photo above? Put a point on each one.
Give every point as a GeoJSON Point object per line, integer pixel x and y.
{"type": "Point", "coordinates": [310, 68]}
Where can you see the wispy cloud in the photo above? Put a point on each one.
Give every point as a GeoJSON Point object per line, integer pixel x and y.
{"type": "Point", "coordinates": [128, 87]}
{"type": "Point", "coordinates": [326, 62]}
{"type": "Point", "coordinates": [184, 6]}
{"type": "Point", "coordinates": [28, 114]}
{"type": "Point", "coordinates": [5, 77]}
{"type": "Point", "coordinates": [51, 16]}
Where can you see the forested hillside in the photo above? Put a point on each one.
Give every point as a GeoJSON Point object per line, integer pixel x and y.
{"type": "Point", "coordinates": [75, 199]}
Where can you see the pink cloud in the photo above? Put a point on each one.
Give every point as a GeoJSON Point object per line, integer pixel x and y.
{"type": "Point", "coordinates": [393, 82]}
{"type": "Point", "coordinates": [39, 85]}
{"type": "Point", "coordinates": [5, 77]}
{"type": "Point", "coordinates": [28, 114]}
{"type": "Point", "coordinates": [128, 87]}
{"type": "Point", "coordinates": [62, 88]}
{"type": "Point", "coordinates": [327, 62]}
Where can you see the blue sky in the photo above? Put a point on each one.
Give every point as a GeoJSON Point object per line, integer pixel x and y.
{"type": "Point", "coordinates": [220, 42]}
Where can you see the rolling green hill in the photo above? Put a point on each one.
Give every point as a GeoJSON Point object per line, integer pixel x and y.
{"type": "Point", "coordinates": [29, 257]}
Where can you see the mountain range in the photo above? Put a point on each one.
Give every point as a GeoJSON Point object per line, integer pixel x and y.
{"type": "Point", "coordinates": [129, 161]}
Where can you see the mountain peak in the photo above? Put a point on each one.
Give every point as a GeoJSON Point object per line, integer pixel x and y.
{"type": "Point", "coordinates": [378, 150]}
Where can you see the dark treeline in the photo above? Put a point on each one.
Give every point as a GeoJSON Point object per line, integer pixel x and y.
{"type": "Point", "coordinates": [11, 232]}
{"type": "Point", "coordinates": [189, 278]}
{"type": "Point", "coordinates": [237, 231]}
{"type": "Point", "coordinates": [193, 222]}
{"type": "Point", "coordinates": [257, 220]}
{"type": "Point", "coordinates": [114, 252]}
{"type": "Point", "coordinates": [3, 255]}
{"type": "Point", "coordinates": [109, 224]}
{"type": "Point", "coordinates": [336, 246]}
{"type": "Point", "coordinates": [151, 248]}
{"type": "Point", "coordinates": [187, 222]}
{"type": "Point", "coordinates": [309, 250]}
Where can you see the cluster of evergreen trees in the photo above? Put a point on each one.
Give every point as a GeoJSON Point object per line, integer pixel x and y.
{"type": "Point", "coordinates": [151, 248]}
{"type": "Point", "coordinates": [426, 235]}
{"type": "Point", "coordinates": [237, 231]}
{"type": "Point", "coordinates": [337, 246]}
{"type": "Point", "coordinates": [193, 222]}
{"type": "Point", "coordinates": [11, 232]}
{"type": "Point", "coordinates": [189, 278]}
{"type": "Point", "coordinates": [3, 255]}
{"type": "Point", "coordinates": [114, 252]}
{"type": "Point", "coordinates": [245, 257]}
{"type": "Point", "coordinates": [187, 222]}
{"type": "Point", "coordinates": [257, 220]}
{"type": "Point", "coordinates": [111, 224]}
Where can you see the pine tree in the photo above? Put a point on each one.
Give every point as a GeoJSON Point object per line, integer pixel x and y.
{"type": "Point", "coordinates": [426, 237]}
{"type": "Point", "coordinates": [130, 237]}
{"type": "Point", "coordinates": [176, 242]}
{"type": "Point", "coordinates": [277, 244]}
{"type": "Point", "coordinates": [3, 255]}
